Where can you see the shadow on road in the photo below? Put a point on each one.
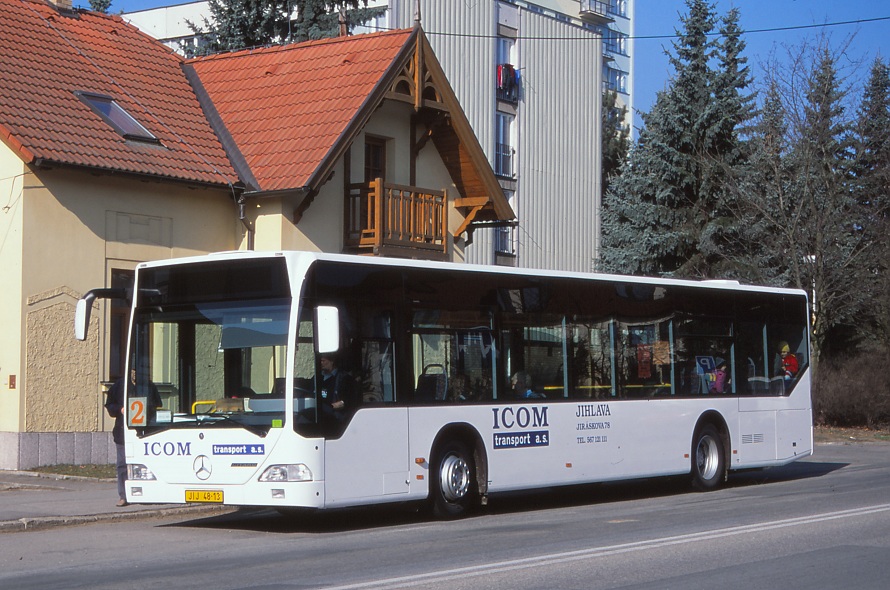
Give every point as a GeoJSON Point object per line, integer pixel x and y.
{"type": "Point", "coordinates": [335, 521]}
{"type": "Point", "coordinates": [792, 471]}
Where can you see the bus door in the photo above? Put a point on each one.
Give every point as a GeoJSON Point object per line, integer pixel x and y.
{"type": "Point", "coordinates": [366, 457]}
{"type": "Point", "coordinates": [370, 460]}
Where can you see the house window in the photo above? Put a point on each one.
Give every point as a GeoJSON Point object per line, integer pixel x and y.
{"type": "Point", "coordinates": [615, 80]}
{"type": "Point", "coordinates": [618, 7]}
{"type": "Point", "coordinates": [375, 158]}
{"type": "Point", "coordinates": [120, 319]}
{"type": "Point", "coordinates": [503, 240]}
{"type": "Point", "coordinates": [504, 236]}
{"type": "Point", "coordinates": [505, 50]}
{"type": "Point", "coordinates": [615, 42]}
{"type": "Point", "coordinates": [503, 149]}
{"type": "Point", "coordinates": [115, 115]}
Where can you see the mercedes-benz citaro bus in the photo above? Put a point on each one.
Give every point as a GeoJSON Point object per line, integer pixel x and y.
{"type": "Point", "coordinates": [310, 380]}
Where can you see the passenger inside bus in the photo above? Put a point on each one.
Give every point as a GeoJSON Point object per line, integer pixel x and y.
{"type": "Point", "coordinates": [522, 386]}
{"type": "Point", "coordinates": [460, 388]}
{"type": "Point", "coordinates": [337, 395]}
{"type": "Point", "coordinates": [718, 379]}
{"type": "Point", "coordinates": [786, 365]}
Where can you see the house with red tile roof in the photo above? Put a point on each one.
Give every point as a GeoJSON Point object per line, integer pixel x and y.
{"type": "Point", "coordinates": [114, 150]}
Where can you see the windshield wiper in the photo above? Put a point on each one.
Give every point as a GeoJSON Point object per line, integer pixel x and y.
{"type": "Point", "coordinates": [218, 418]}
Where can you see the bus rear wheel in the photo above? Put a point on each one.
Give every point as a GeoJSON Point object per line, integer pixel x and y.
{"type": "Point", "coordinates": [708, 459]}
{"type": "Point", "coordinates": [453, 485]}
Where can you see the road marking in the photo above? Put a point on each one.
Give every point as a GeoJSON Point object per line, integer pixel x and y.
{"type": "Point", "coordinates": [569, 556]}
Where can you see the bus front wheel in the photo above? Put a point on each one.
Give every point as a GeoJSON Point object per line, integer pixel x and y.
{"type": "Point", "coordinates": [453, 484]}
{"type": "Point", "coordinates": [708, 459]}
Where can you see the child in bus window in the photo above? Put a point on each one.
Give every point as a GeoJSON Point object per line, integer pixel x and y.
{"type": "Point", "coordinates": [718, 383]}
{"type": "Point", "coordinates": [786, 362]}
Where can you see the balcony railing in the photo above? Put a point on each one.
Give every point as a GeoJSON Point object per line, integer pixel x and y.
{"type": "Point", "coordinates": [507, 84]}
{"type": "Point", "coordinates": [389, 218]}
{"type": "Point", "coordinates": [596, 10]}
{"type": "Point", "coordinates": [503, 160]}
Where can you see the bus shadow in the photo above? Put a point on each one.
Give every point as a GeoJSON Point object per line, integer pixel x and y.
{"type": "Point", "coordinates": [312, 522]}
{"type": "Point", "coordinates": [394, 515]}
{"type": "Point", "coordinates": [793, 471]}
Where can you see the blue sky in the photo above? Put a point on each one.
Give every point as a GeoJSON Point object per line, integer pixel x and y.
{"type": "Point", "coordinates": [661, 17]}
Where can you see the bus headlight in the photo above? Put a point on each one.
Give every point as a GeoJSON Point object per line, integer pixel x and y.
{"type": "Point", "coordinates": [136, 471]}
{"type": "Point", "coordinates": [295, 472]}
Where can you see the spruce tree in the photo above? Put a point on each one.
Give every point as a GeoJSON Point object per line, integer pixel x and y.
{"type": "Point", "coordinates": [100, 6]}
{"type": "Point", "coordinates": [725, 160]}
{"type": "Point", "coordinates": [667, 213]}
{"type": "Point", "coordinates": [238, 24]}
{"type": "Point", "coordinates": [319, 19]}
{"type": "Point", "coordinates": [766, 220]}
{"type": "Point", "coordinates": [616, 138]}
{"type": "Point", "coordinates": [872, 181]}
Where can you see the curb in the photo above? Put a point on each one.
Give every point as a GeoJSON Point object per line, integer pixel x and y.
{"type": "Point", "coordinates": [58, 476]}
{"type": "Point", "coordinates": [47, 522]}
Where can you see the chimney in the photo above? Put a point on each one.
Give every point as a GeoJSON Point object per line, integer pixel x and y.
{"type": "Point", "coordinates": [343, 30]}
{"type": "Point", "coordinates": [62, 5]}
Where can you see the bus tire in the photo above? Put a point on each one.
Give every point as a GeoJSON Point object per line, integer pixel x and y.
{"type": "Point", "coordinates": [453, 485]}
{"type": "Point", "coordinates": [708, 459]}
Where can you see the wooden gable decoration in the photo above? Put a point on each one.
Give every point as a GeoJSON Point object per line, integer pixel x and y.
{"type": "Point", "coordinates": [417, 78]}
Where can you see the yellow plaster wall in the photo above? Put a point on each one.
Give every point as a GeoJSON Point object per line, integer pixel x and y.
{"type": "Point", "coordinates": [77, 227]}
{"type": "Point", "coordinates": [11, 188]}
{"type": "Point", "coordinates": [321, 228]}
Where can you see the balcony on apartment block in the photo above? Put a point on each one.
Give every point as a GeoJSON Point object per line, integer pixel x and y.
{"type": "Point", "coordinates": [596, 11]}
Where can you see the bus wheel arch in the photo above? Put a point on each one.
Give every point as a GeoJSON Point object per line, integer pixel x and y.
{"type": "Point", "coordinates": [709, 460]}
{"type": "Point", "coordinates": [458, 471]}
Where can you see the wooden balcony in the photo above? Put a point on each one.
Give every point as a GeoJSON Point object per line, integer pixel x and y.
{"type": "Point", "coordinates": [387, 219]}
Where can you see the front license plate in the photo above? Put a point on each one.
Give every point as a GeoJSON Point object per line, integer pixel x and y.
{"type": "Point", "coordinates": [207, 496]}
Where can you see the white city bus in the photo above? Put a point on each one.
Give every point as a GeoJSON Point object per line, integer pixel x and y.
{"type": "Point", "coordinates": [459, 381]}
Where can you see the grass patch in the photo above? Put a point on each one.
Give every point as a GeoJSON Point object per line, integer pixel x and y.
{"type": "Point", "coordinates": [833, 434]}
{"type": "Point", "coordinates": [97, 471]}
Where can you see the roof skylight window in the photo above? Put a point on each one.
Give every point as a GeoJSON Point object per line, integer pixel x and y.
{"type": "Point", "coordinates": [115, 115]}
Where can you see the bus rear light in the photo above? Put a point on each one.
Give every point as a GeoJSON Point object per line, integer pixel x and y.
{"type": "Point", "coordinates": [293, 472]}
{"type": "Point", "coordinates": [138, 472]}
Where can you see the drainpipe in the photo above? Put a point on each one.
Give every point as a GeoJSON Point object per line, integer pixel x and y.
{"type": "Point", "coordinates": [241, 217]}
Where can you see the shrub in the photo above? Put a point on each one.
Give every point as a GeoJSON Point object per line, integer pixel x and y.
{"type": "Point", "coordinates": [854, 391]}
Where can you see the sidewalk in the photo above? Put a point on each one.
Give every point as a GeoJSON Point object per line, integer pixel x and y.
{"type": "Point", "coordinates": [32, 501]}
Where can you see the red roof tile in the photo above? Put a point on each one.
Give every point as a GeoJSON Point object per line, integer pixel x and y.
{"type": "Point", "coordinates": [45, 56]}
{"type": "Point", "coordinates": [286, 106]}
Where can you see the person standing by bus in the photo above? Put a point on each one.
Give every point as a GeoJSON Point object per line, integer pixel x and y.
{"type": "Point", "coordinates": [114, 405]}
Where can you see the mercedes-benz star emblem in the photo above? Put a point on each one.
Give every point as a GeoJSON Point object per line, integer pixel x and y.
{"type": "Point", "coordinates": [202, 467]}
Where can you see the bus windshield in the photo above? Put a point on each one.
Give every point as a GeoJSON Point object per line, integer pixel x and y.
{"type": "Point", "coordinates": [198, 359]}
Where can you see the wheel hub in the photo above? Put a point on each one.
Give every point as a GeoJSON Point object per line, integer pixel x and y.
{"type": "Point", "coordinates": [454, 478]}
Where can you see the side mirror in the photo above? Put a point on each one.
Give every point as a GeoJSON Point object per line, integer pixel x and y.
{"type": "Point", "coordinates": [82, 317]}
{"type": "Point", "coordinates": [327, 322]}
{"type": "Point", "coordinates": [85, 307]}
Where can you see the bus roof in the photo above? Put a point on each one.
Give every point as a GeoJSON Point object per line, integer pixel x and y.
{"type": "Point", "coordinates": [307, 257]}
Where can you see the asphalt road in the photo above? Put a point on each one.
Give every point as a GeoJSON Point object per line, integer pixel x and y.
{"type": "Point", "coordinates": [817, 524]}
